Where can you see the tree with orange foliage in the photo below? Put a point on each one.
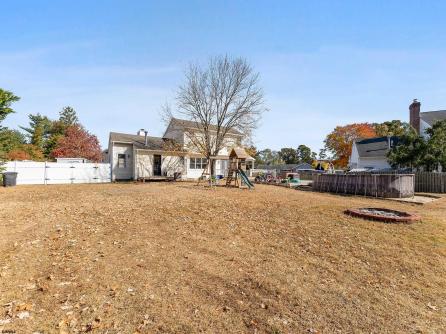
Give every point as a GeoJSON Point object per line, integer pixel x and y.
{"type": "Point", "coordinates": [339, 142]}
{"type": "Point", "coordinates": [25, 152]}
{"type": "Point", "coordinates": [78, 143]}
{"type": "Point", "coordinates": [18, 155]}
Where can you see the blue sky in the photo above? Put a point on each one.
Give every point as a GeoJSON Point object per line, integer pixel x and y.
{"type": "Point", "coordinates": [322, 63]}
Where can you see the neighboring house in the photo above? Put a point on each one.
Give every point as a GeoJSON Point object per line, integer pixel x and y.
{"type": "Point", "coordinates": [421, 121]}
{"type": "Point", "coordinates": [371, 153]}
{"type": "Point", "coordinates": [140, 156]}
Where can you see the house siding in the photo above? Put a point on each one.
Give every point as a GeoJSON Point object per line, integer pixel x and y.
{"type": "Point", "coordinates": [122, 173]}
{"type": "Point", "coordinates": [228, 143]}
{"type": "Point", "coordinates": [172, 164]}
{"type": "Point", "coordinates": [374, 163]}
{"type": "Point", "coordinates": [354, 157]}
{"type": "Point", "coordinates": [169, 165]}
{"type": "Point", "coordinates": [423, 127]}
{"type": "Point", "coordinates": [144, 165]}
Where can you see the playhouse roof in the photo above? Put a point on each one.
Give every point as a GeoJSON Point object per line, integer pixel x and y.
{"type": "Point", "coordinates": [240, 153]}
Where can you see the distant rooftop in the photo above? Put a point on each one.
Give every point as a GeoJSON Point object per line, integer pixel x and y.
{"type": "Point", "coordinates": [430, 117]}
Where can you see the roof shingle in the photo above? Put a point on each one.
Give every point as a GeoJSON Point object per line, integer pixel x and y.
{"type": "Point", "coordinates": [194, 125]}
{"type": "Point", "coordinates": [430, 117]}
{"type": "Point", "coordinates": [153, 143]}
{"type": "Point", "coordinates": [375, 147]}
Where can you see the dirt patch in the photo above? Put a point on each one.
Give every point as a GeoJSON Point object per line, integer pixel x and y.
{"type": "Point", "coordinates": [176, 258]}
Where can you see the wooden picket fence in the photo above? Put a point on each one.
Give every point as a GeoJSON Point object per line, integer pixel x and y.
{"type": "Point", "coordinates": [376, 185]}
{"type": "Point", "coordinates": [426, 182]}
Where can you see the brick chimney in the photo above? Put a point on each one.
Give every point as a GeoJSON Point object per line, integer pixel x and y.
{"type": "Point", "coordinates": [414, 113]}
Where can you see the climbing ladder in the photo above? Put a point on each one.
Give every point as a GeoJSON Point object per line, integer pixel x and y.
{"type": "Point", "coordinates": [230, 176]}
{"type": "Point", "coordinates": [205, 173]}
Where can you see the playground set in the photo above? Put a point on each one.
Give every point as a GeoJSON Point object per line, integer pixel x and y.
{"type": "Point", "coordinates": [237, 169]}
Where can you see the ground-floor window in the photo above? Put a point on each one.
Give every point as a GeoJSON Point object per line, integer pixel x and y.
{"type": "Point", "coordinates": [197, 163]}
{"type": "Point", "coordinates": [122, 161]}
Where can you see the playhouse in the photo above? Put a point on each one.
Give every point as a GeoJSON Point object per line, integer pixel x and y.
{"type": "Point", "coordinates": [239, 163]}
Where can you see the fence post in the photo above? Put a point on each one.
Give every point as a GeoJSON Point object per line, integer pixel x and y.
{"type": "Point", "coordinates": [45, 174]}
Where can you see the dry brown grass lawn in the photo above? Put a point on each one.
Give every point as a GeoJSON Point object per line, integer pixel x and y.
{"type": "Point", "coordinates": [175, 258]}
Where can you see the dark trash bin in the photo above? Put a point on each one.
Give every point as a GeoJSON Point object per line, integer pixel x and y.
{"type": "Point", "coordinates": [9, 179]}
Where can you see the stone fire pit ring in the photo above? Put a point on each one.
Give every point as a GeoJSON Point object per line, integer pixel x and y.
{"type": "Point", "coordinates": [384, 215]}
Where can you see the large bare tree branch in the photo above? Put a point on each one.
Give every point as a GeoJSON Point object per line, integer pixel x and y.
{"type": "Point", "coordinates": [220, 98]}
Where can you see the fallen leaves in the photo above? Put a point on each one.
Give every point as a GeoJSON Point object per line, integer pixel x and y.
{"type": "Point", "coordinates": [166, 258]}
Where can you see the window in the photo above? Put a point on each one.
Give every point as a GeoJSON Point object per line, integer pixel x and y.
{"type": "Point", "coordinates": [122, 161]}
{"type": "Point", "coordinates": [197, 163]}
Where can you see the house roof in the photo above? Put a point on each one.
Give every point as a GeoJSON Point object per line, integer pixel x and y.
{"type": "Point", "coordinates": [430, 117]}
{"type": "Point", "coordinates": [240, 153]}
{"type": "Point", "coordinates": [374, 147]}
{"type": "Point", "coordinates": [304, 165]}
{"type": "Point", "coordinates": [153, 143]}
{"type": "Point", "coordinates": [194, 125]}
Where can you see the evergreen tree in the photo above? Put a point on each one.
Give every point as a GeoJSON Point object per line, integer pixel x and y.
{"type": "Point", "coordinates": [55, 133]}
{"type": "Point", "coordinates": [68, 116]}
{"type": "Point", "coordinates": [304, 154]}
{"type": "Point", "coordinates": [6, 99]}
{"type": "Point", "coordinates": [392, 128]}
{"type": "Point", "coordinates": [436, 146]}
{"type": "Point", "coordinates": [11, 139]}
{"type": "Point", "coordinates": [38, 130]}
{"type": "Point", "coordinates": [268, 157]}
{"type": "Point", "coordinates": [410, 151]}
{"type": "Point", "coordinates": [288, 155]}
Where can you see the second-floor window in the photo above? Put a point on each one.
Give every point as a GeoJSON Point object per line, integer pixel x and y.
{"type": "Point", "coordinates": [197, 163]}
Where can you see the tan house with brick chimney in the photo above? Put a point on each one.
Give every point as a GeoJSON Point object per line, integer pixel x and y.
{"type": "Point", "coordinates": [421, 121]}
{"type": "Point", "coordinates": [141, 156]}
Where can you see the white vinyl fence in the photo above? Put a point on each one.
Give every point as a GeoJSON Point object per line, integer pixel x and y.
{"type": "Point", "coordinates": [31, 172]}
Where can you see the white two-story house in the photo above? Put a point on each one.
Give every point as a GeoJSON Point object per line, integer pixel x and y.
{"type": "Point", "coordinates": [140, 156]}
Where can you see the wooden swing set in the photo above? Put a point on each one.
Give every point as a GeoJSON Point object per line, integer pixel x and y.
{"type": "Point", "coordinates": [236, 170]}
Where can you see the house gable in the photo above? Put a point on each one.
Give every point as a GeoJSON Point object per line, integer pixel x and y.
{"type": "Point", "coordinates": [371, 153]}
{"type": "Point", "coordinates": [184, 132]}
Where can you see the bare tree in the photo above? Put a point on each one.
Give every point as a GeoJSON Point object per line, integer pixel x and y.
{"type": "Point", "coordinates": [220, 98]}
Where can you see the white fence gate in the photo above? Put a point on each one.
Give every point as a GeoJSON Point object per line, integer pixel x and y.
{"type": "Point", "coordinates": [31, 172]}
